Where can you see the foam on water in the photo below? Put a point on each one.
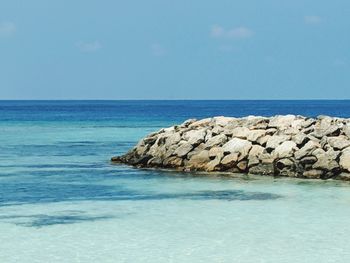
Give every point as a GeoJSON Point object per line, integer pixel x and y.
{"type": "Point", "coordinates": [62, 201]}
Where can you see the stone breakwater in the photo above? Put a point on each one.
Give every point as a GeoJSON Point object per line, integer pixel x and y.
{"type": "Point", "coordinates": [288, 145]}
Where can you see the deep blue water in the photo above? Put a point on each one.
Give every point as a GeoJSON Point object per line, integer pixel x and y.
{"type": "Point", "coordinates": [56, 181]}
{"type": "Point", "coordinates": [162, 111]}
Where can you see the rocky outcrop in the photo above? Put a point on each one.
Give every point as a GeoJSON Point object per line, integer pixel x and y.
{"type": "Point", "coordinates": [293, 146]}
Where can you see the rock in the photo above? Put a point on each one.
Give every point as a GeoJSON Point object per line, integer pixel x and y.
{"type": "Point", "coordinates": [196, 150]}
{"type": "Point", "coordinates": [255, 135]}
{"type": "Point", "coordinates": [223, 121]}
{"type": "Point", "coordinates": [256, 151]}
{"type": "Point", "coordinates": [281, 121]}
{"type": "Point", "coordinates": [230, 159]}
{"type": "Point", "coordinates": [313, 174]}
{"type": "Point", "coordinates": [346, 130]}
{"type": "Point", "coordinates": [217, 130]}
{"type": "Point", "coordinates": [172, 139]}
{"type": "Point", "coordinates": [199, 160]}
{"type": "Point", "coordinates": [338, 143]}
{"type": "Point", "coordinates": [286, 149]}
{"type": "Point", "coordinates": [242, 165]}
{"type": "Point", "coordinates": [173, 161]}
{"type": "Point", "coordinates": [184, 149]}
{"type": "Point", "coordinates": [344, 160]}
{"type": "Point", "coordinates": [325, 161]}
{"type": "Point", "coordinates": [188, 122]}
{"type": "Point", "coordinates": [263, 169]}
{"type": "Point", "coordinates": [195, 137]}
{"type": "Point", "coordinates": [240, 132]}
{"type": "Point", "coordinates": [308, 160]}
{"type": "Point", "coordinates": [216, 140]}
{"type": "Point", "coordinates": [274, 141]}
{"type": "Point", "coordinates": [201, 123]}
{"type": "Point", "coordinates": [300, 139]}
{"type": "Point", "coordinates": [325, 128]}
{"type": "Point", "coordinates": [289, 145]}
{"type": "Point", "coordinates": [216, 152]}
{"type": "Point", "coordinates": [343, 176]}
{"type": "Point", "coordinates": [307, 149]}
{"type": "Point", "coordinates": [252, 161]}
{"type": "Point", "coordinates": [263, 140]}
{"type": "Point", "coordinates": [237, 145]}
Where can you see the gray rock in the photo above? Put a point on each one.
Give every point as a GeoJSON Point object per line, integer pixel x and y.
{"type": "Point", "coordinates": [240, 132]}
{"type": "Point", "coordinates": [307, 149]}
{"type": "Point", "coordinates": [313, 174]}
{"type": "Point", "coordinates": [344, 160]}
{"type": "Point", "coordinates": [338, 143]}
{"type": "Point", "coordinates": [195, 137]}
{"type": "Point", "coordinates": [173, 139]}
{"type": "Point", "coordinates": [256, 151]}
{"type": "Point", "coordinates": [216, 152]}
{"type": "Point", "coordinates": [274, 141]}
{"type": "Point", "coordinates": [255, 135]}
{"type": "Point", "coordinates": [281, 121]}
{"type": "Point", "coordinates": [262, 169]}
{"type": "Point", "coordinates": [286, 149]}
{"type": "Point", "coordinates": [216, 140]}
{"type": "Point", "coordinates": [199, 161]}
{"type": "Point", "coordinates": [325, 161]}
{"type": "Point", "coordinates": [237, 145]}
{"type": "Point", "coordinates": [184, 149]}
{"type": "Point", "coordinates": [230, 159]}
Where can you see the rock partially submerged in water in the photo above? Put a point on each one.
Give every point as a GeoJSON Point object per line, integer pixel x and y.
{"type": "Point", "coordinates": [288, 145]}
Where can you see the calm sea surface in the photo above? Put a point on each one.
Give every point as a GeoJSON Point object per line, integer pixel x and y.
{"type": "Point", "coordinates": [62, 201]}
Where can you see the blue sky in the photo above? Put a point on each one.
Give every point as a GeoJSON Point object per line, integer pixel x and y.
{"type": "Point", "coordinates": [179, 49]}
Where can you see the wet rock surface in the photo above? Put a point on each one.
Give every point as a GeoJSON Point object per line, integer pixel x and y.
{"type": "Point", "coordinates": [286, 145]}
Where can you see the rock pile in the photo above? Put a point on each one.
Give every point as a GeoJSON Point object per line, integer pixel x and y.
{"type": "Point", "coordinates": [288, 145]}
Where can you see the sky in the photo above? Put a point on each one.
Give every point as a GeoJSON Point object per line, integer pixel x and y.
{"type": "Point", "coordinates": [174, 49]}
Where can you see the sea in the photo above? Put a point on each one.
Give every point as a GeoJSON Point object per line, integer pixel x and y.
{"type": "Point", "coordinates": [61, 200]}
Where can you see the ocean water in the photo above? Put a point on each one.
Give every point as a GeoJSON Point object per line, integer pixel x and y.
{"type": "Point", "coordinates": [61, 200]}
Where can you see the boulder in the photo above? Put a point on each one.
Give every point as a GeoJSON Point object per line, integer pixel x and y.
{"type": "Point", "coordinates": [325, 161]}
{"type": "Point", "coordinates": [240, 132]}
{"type": "Point", "coordinates": [195, 137]}
{"type": "Point", "coordinates": [201, 123]}
{"type": "Point", "coordinates": [281, 121]}
{"type": "Point", "coordinates": [183, 149]}
{"type": "Point", "coordinates": [230, 159]}
{"type": "Point", "coordinates": [286, 149]}
{"type": "Point", "coordinates": [255, 135]}
{"type": "Point", "coordinates": [216, 140]}
{"type": "Point", "coordinates": [256, 151]}
{"type": "Point", "coordinates": [199, 160]}
{"type": "Point", "coordinates": [307, 149]}
{"type": "Point", "coordinates": [344, 160]}
{"type": "Point", "coordinates": [274, 141]}
{"type": "Point", "coordinates": [237, 145]}
{"type": "Point", "coordinates": [338, 143]}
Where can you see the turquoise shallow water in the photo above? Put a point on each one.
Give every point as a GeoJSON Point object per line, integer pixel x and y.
{"type": "Point", "coordinates": [62, 201]}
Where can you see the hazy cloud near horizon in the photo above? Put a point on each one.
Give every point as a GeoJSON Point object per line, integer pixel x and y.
{"type": "Point", "coordinates": [313, 20]}
{"type": "Point", "coordinates": [89, 46]}
{"type": "Point", "coordinates": [7, 28]}
{"type": "Point", "coordinates": [240, 32]}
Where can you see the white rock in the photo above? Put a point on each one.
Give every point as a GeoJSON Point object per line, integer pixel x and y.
{"type": "Point", "coordinates": [237, 145]}
{"type": "Point", "coordinates": [286, 149]}
{"type": "Point", "coordinates": [275, 140]}
{"type": "Point", "coordinates": [345, 160]}
{"type": "Point", "coordinates": [183, 149]}
{"type": "Point", "coordinates": [195, 136]}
